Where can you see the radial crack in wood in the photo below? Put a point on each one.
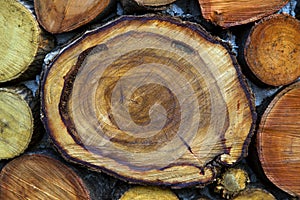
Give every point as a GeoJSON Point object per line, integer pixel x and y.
{"type": "Point", "coordinates": [40, 177]}
{"type": "Point", "coordinates": [278, 140]}
{"type": "Point", "coordinates": [148, 99]}
{"type": "Point", "coordinates": [231, 12]}
{"type": "Point", "coordinates": [58, 16]}
{"type": "Point", "coordinates": [272, 50]}
{"type": "Point", "coordinates": [23, 44]}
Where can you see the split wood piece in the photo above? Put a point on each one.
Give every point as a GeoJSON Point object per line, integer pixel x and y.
{"type": "Point", "coordinates": [272, 50]}
{"type": "Point", "coordinates": [232, 182]}
{"type": "Point", "coordinates": [23, 44]}
{"type": "Point", "coordinates": [133, 6]}
{"type": "Point", "coordinates": [40, 177]}
{"type": "Point", "coordinates": [231, 12]}
{"type": "Point", "coordinates": [16, 121]}
{"type": "Point", "coordinates": [61, 16]}
{"type": "Point", "coordinates": [143, 192]}
{"type": "Point", "coordinates": [254, 194]}
{"type": "Point", "coordinates": [148, 99]}
{"type": "Point", "coordinates": [278, 140]}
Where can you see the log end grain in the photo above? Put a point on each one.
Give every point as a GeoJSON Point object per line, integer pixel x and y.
{"type": "Point", "coordinates": [20, 34]}
{"type": "Point", "coordinates": [143, 103]}
{"type": "Point", "coordinates": [254, 194]}
{"type": "Point", "coordinates": [16, 124]}
{"type": "Point", "coordinates": [62, 16]}
{"type": "Point", "coordinates": [143, 192]}
{"type": "Point", "coordinates": [231, 13]}
{"type": "Point", "coordinates": [272, 50]}
{"type": "Point", "coordinates": [278, 140]}
{"type": "Point", "coordinates": [40, 177]}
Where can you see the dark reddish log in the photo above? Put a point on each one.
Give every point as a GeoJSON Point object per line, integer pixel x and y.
{"type": "Point", "coordinates": [231, 12]}
{"type": "Point", "coordinates": [149, 99]}
{"type": "Point", "coordinates": [272, 50]}
{"type": "Point", "coordinates": [278, 140]}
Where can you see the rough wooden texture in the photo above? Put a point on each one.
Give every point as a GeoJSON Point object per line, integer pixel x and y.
{"type": "Point", "coordinates": [40, 177]}
{"type": "Point", "coordinates": [154, 193]}
{"type": "Point", "coordinates": [154, 101]}
{"type": "Point", "coordinates": [140, 6]}
{"type": "Point", "coordinates": [154, 2]}
{"type": "Point", "coordinates": [16, 121]}
{"type": "Point", "coordinates": [23, 44]}
{"type": "Point", "coordinates": [227, 13]}
{"type": "Point", "coordinates": [61, 16]}
{"type": "Point", "coordinates": [278, 140]}
{"type": "Point", "coordinates": [272, 50]}
{"type": "Point", "coordinates": [232, 182]}
{"type": "Point", "coordinates": [254, 194]}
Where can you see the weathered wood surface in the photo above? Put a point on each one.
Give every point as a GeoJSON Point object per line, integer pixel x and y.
{"type": "Point", "coordinates": [163, 100]}
{"type": "Point", "coordinates": [61, 16]}
{"type": "Point", "coordinates": [255, 194]}
{"type": "Point", "coordinates": [40, 177]}
{"type": "Point", "coordinates": [231, 12]}
{"type": "Point", "coordinates": [272, 50]}
{"type": "Point", "coordinates": [23, 43]}
{"type": "Point", "coordinates": [142, 193]}
{"type": "Point", "coordinates": [16, 120]}
{"type": "Point", "coordinates": [278, 140]}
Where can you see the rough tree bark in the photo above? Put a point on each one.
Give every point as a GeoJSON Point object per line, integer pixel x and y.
{"type": "Point", "coordinates": [148, 99]}
{"type": "Point", "coordinates": [40, 177]}
{"type": "Point", "coordinates": [61, 16]}
{"type": "Point", "coordinates": [231, 12]}
{"type": "Point", "coordinates": [272, 50]}
{"type": "Point", "coordinates": [23, 43]}
{"type": "Point", "coordinates": [278, 140]}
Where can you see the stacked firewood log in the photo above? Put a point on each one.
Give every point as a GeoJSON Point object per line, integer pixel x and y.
{"type": "Point", "coordinates": [149, 99]}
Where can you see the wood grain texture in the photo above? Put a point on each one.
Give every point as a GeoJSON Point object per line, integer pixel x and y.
{"type": "Point", "coordinates": [148, 99]}
{"type": "Point", "coordinates": [40, 177]}
{"type": "Point", "coordinates": [154, 2]}
{"type": "Point", "coordinates": [254, 194]}
{"type": "Point", "coordinates": [227, 13]}
{"type": "Point", "coordinates": [23, 44]}
{"type": "Point", "coordinates": [278, 140]}
{"type": "Point", "coordinates": [61, 16]}
{"type": "Point", "coordinates": [143, 192]}
{"type": "Point", "coordinates": [272, 50]}
{"type": "Point", "coordinates": [16, 121]}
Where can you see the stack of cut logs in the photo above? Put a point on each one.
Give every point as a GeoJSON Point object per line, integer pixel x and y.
{"type": "Point", "coordinates": [157, 101]}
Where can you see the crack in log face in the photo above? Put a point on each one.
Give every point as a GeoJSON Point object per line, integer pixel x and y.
{"type": "Point", "coordinates": [151, 103]}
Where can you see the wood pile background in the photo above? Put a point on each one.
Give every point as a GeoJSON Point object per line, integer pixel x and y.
{"type": "Point", "coordinates": [242, 64]}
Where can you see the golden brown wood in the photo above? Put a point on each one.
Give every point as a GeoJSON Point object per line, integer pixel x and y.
{"type": "Point", "coordinates": [40, 177]}
{"type": "Point", "coordinates": [150, 99]}
{"type": "Point", "coordinates": [278, 140]}
{"type": "Point", "coordinates": [232, 182]}
{"type": "Point", "coordinates": [23, 44]}
{"type": "Point", "coordinates": [228, 13]}
{"type": "Point", "coordinates": [153, 3]}
{"type": "Point", "coordinates": [254, 194]}
{"type": "Point", "coordinates": [16, 121]}
{"type": "Point", "coordinates": [154, 193]}
{"type": "Point", "coordinates": [58, 16]}
{"type": "Point", "coordinates": [272, 50]}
